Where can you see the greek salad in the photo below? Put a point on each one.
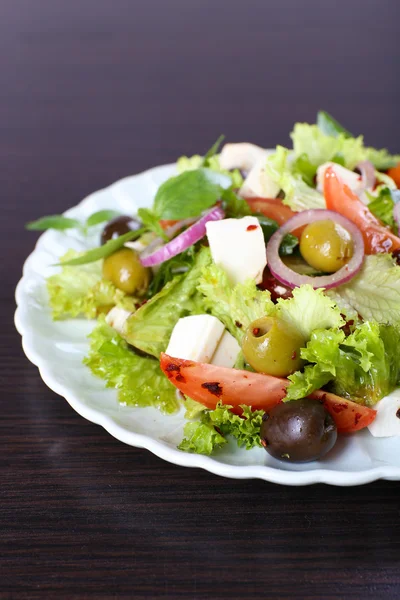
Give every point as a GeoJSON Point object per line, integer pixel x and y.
{"type": "Point", "coordinates": [261, 293]}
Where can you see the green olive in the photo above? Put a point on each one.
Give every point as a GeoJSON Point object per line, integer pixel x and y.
{"type": "Point", "coordinates": [269, 346]}
{"type": "Point", "coordinates": [326, 246]}
{"type": "Point", "coordinates": [126, 272]}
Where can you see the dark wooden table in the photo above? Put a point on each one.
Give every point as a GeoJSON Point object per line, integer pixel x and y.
{"type": "Point", "coordinates": [93, 90]}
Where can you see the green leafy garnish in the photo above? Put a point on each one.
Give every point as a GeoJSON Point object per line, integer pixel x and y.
{"type": "Point", "coordinates": [186, 195]}
{"type": "Point", "coordinates": [235, 306]}
{"type": "Point", "coordinates": [269, 226]}
{"type": "Point", "coordinates": [58, 222]}
{"type": "Point", "coordinates": [382, 207]}
{"type": "Point", "coordinates": [101, 216]}
{"type": "Point", "coordinates": [62, 223]}
{"type": "Point", "coordinates": [298, 195]}
{"type": "Point", "coordinates": [212, 151]}
{"type": "Point", "coordinates": [329, 126]}
{"type": "Point", "coordinates": [308, 310]}
{"type": "Point", "coordinates": [176, 265]}
{"type": "Point", "coordinates": [103, 251]}
{"type": "Point", "coordinates": [81, 291]}
{"type": "Point", "coordinates": [149, 328]}
{"type": "Point", "coordinates": [381, 159]}
{"type": "Point", "coordinates": [234, 206]}
{"type": "Point", "coordinates": [138, 379]}
{"type": "Point", "coordinates": [151, 221]}
{"type": "Point", "coordinates": [360, 366]}
{"type": "Point", "coordinates": [375, 291]}
{"type": "Point", "coordinates": [208, 433]}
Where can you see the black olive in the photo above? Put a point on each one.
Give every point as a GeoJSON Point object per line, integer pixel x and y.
{"type": "Point", "coordinates": [298, 431]}
{"type": "Point", "coordinates": [119, 226]}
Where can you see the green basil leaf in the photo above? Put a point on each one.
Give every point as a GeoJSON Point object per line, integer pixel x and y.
{"type": "Point", "coordinates": [186, 195]}
{"type": "Point", "coordinates": [58, 222]}
{"type": "Point", "coordinates": [100, 216]}
{"type": "Point", "coordinates": [329, 126]}
{"type": "Point", "coordinates": [212, 151]}
{"type": "Point", "coordinates": [103, 251]}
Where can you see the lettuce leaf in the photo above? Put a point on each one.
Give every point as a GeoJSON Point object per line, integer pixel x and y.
{"type": "Point", "coordinates": [375, 292]}
{"type": "Point", "coordinates": [208, 433]}
{"type": "Point", "coordinates": [298, 195]}
{"type": "Point", "coordinates": [235, 306]}
{"type": "Point", "coordinates": [149, 328]}
{"type": "Point", "coordinates": [138, 380]}
{"type": "Point", "coordinates": [81, 291]}
{"type": "Point", "coordinates": [363, 366]}
{"type": "Point", "coordinates": [320, 148]}
{"type": "Point", "coordinates": [190, 163]}
{"type": "Point", "coordinates": [308, 310]}
{"type": "Point", "coordinates": [382, 207]}
{"type": "Point", "coordinates": [382, 159]}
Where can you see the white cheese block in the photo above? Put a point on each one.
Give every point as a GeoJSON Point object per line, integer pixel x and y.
{"type": "Point", "coordinates": [241, 156]}
{"type": "Point", "coordinates": [227, 351]}
{"type": "Point", "coordinates": [351, 179]}
{"type": "Point", "coordinates": [258, 184]}
{"type": "Point", "coordinates": [136, 245]}
{"type": "Point", "coordinates": [386, 422]}
{"type": "Point", "coordinates": [237, 245]}
{"type": "Point", "coordinates": [195, 338]}
{"type": "Point", "coordinates": [117, 317]}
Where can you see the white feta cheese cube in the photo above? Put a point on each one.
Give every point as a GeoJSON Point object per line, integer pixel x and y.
{"type": "Point", "coordinates": [227, 351]}
{"type": "Point", "coordinates": [258, 184]}
{"type": "Point", "coordinates": [351, 179]}
{"type": "Point", "coordinates": [387, 420]}
{"type": "Point", "coordinates": [238, 246]}
{"type": "Point", "coordinates": [117, 317]}
{"type": "Point", "coordinates": [241, 156]}
{"type": "Point", "coordinates": [195, 338]}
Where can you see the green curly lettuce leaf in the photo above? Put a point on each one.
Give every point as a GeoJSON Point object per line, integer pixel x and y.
{"type": "Point", "coordinates": [138, 380]}
{"type": "Point", "coordinates": [81, 291]}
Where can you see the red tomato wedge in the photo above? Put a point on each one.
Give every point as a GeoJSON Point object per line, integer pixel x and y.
{"type": "Point", "coordinates": [209, 384]}
{"type": "Point", "coordinates": [394, 173]}
{"type": "Point", "coordinates": [273, 208]}
{"type": "Point", "coordinates": [340, 198]}
{"type": "Point", "coordinates": [167, 223]}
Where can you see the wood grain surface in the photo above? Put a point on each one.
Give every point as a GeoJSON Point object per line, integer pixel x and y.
{"type": "Point", "coordinates": [91, 91]}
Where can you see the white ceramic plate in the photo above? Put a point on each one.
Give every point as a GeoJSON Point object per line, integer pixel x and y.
{"type": "Point", "coordinates": [57, 348]}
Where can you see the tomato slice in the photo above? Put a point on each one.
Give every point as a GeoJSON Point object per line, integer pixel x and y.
{"type": "Point", "coordinates": [165, 223]}
{"type": "Point", "coordinates": [394, 173]}
{"type": "Point", "coordinates": [340, 198]}
{"type": "Point", "coordinates": [273, 208]}
{"type": "Point", "coordinates": [209, 384]}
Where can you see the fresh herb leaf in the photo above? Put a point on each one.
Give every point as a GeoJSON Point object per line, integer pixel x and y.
{"type": "Point", "coordinates": [186, 195]}
{"type": "Point", "coordinates": [101, 216]}
{"type": "Point", "coordinates": [212, 151]}
{"type": "Point", "coordinates": [329, 126]}
{"type": "Point", "coordinates": [305, 168]}
{"type": "Point", "coordinates": [152, 222]}
{"type": "Point", "coordinates": [234, 206]}
{"type": "Point", "coordinates": [269, 226]}
{"type": "Point", "coordinates": [58, 222]}
{"type": "Point", "coordinates": [103, 251]}
{"type": "Point", "coordinates": [168, 269]}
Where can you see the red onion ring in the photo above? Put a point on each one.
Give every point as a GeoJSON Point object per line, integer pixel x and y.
{"type": "Point", "coordinates": [367, 171]}
{"type": "Point", "coordinates": [292, 279]}
{"type": "Point", "coordinates": [187, 238]}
